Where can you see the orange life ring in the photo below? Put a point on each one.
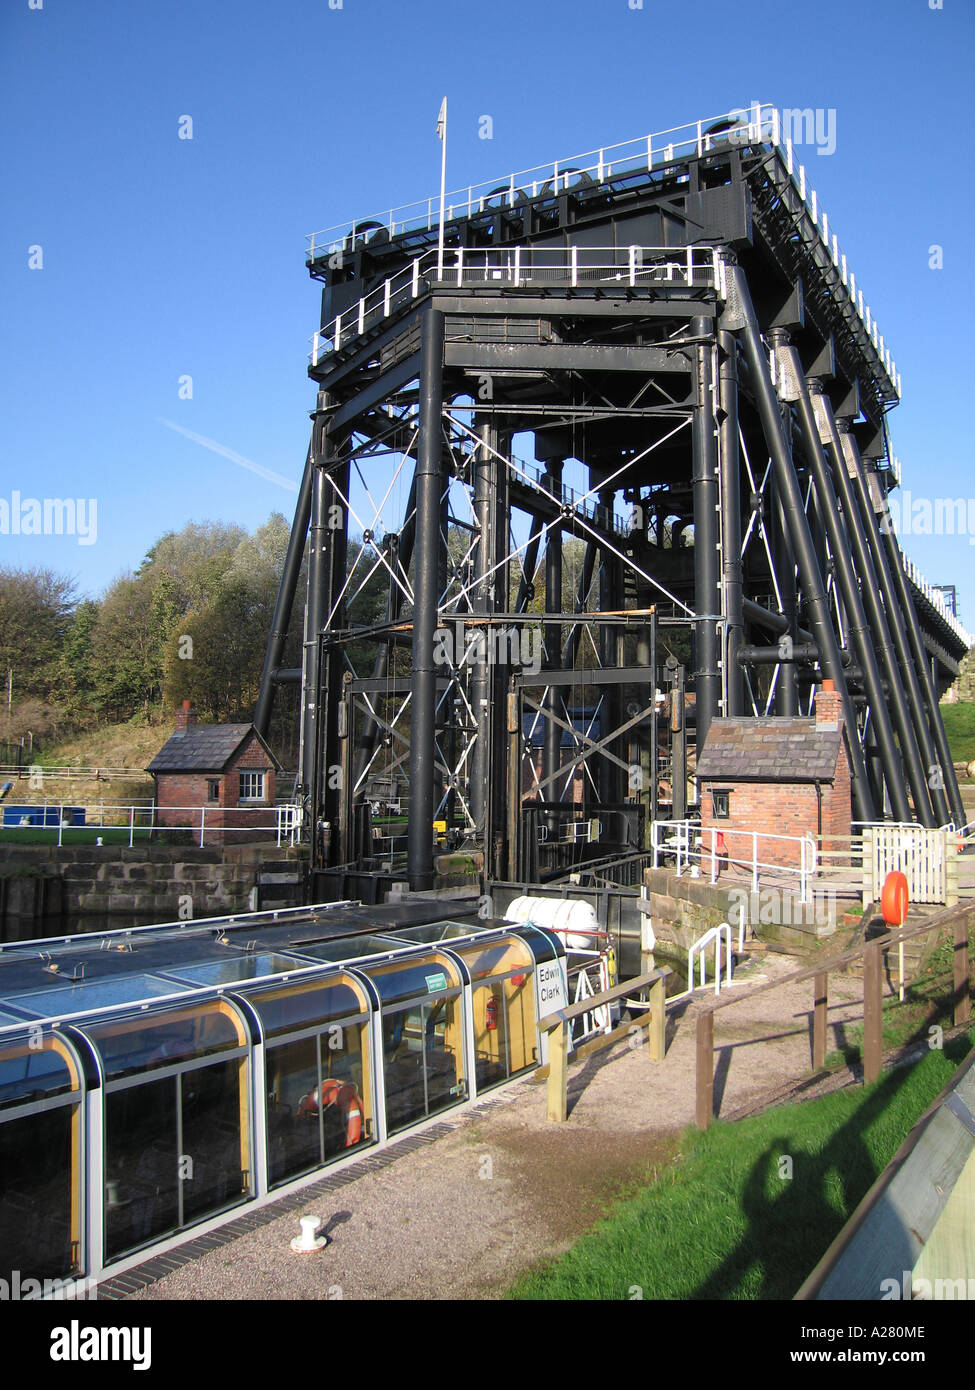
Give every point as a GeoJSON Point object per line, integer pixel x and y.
{"type": "Point", "coordinates": [894, 899]}
{"type": "Point", "coordinates": [343, 1095]}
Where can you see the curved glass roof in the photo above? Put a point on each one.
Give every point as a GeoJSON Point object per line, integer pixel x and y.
{"type": "Point", "coordinates": [29, 1072]}
{"type": "Point", "coordinates": [412, 977]}
{"type": "Point", "coordinates": [146, 1041]}
{"type": "Point", "coordinates": [286, 1008]}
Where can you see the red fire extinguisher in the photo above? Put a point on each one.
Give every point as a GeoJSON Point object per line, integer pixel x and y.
{"type": "Point", "coordinates": [491, 1014]}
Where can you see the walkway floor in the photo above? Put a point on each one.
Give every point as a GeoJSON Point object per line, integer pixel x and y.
{"type": "Point", "coordinates": [500, 1188]}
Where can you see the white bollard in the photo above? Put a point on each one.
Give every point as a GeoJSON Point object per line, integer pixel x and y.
{"type": "Point", "coordinates": [307, 1243]}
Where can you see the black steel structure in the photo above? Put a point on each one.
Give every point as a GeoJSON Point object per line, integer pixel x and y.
{"type": "Point", "coordinates": [671, 329]}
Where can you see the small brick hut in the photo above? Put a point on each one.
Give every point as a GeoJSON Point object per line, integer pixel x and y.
{"type": "Point", "coordinates": [776, 776]}
{"type": "Point", "coordinates": [225, 769]}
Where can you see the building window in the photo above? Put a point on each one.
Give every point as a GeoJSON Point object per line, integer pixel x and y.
{"type": "Point", "coordinates": [252, 786]}
{"type": "Point", "coordinates": [721, 804]}
{"type": "Point", "coordinates": [213, 789]}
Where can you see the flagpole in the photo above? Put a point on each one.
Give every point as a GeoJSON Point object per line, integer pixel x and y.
{"type": "Point", "coordinates": [442, 132]}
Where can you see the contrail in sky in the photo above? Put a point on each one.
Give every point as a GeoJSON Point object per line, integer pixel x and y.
{"type": "Point", "coordinates": [226, 453]}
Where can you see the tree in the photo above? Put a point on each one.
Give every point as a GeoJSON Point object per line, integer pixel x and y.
{"type": "Point", "coordinates": [35, 611]}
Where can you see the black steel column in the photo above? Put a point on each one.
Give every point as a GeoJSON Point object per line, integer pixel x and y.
{"type": "Point", "coordinates": [284, 603]}
{"type": "Point", "coordinates": [729, 481]}
{"type": "Point", "coordinates": [553, 635]}
{"type": "Point", "coordinates": [812, 580]}
{"type": "Point", "coordinates": [707, 591]}
{"type": "Point", "coordinates": [845, 577]}
{"type": "Point", "coordinates": [884, 567]}
{"type": "Point", "coordinates": [784, 565]}
{"type": "Point", "coordinates": [314, 606]}
{"type": "Point", "coordinates": [426, 574]}
{"type": "Point", "coordinates": [870, 590]}
{"type": "Point", "coordinates": [485, 556]}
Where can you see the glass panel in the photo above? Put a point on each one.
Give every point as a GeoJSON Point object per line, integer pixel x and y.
{"type": "Point", "coordinates": [543, 946]}
{"type": "Point", "coordinates": [292, 1007]}
{"type": "Point", "coordinates": [141, 1164]}
{"type": "Point", "coordinates": [496, 958]}
{"type": "Point", "coordinates": [293, 1131]}
{"type": "Point", "coordinates": [157, 1040]}
{"type": "Point", "coordinates": [229, 971]}
{"type": "Point", "coordinates": [302, 1133]}
{"type": "Point", "coordinates": [95, 994]}
{"type": "Point", "coordinates": [214, 1163]}
{"type": "Point", "coordinates": [28, 1073]}
{"type": "Point", "coordinates": [432, 932]}
{"type": "Point", "coordinates": [423, 1054]}
{"type": "Point", "coordinates": [35, 1195]}
{"type": "Point", "coordinates": [504, 1029]}
{"type": "Point", "coordinates": [349, 948]}
{"type": "Point", "coordinates": [413, 976]}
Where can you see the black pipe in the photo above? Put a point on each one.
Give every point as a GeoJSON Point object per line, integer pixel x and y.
{"type": "Point", "coordinates": [707, 583]}
{"type": "Point", "coordinates": [885, 566]}
{"type": "Point", "coordinates": [856, 617]}
{"type": "Point", "coordinates": [812, 580]}
{"type": "Point", "coordinates": [284, 603]}
{"type": "Point", "coordinates": [926, 813]}
{"type": "Point", "coordinates": [314, 610]}
{"type": "Point", "coordinates": [729, 483]}
{"type": "Point", "coordinates": [426, 571]}
{"type": "Point", "coordinates": [553, 633]}
{"type": "Point", "coordinates": [936, 726]}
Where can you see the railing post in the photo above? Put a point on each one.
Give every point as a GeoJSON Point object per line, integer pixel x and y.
{"type": "Point", "coordinates": [362, 316]}
{"type": "Point", "coordinates": [415, 283]}
{"type": "Point", "coordinates": [820, 1018]}
{"type": "Point", "coordinates": [131, 826]}
{"type": "Point", "coordinates": [704, 1110]}
{"type": "Point", "coordinates": [873, 1012]}
{"type": "Point", "coordinates": [314, 351]}
{"type": "Point", "coordinates": [657, 1029]}
{"type": "Point", "coordinates": [460, 265]}
{"type": "Point", "coordinates": [387, 297]}
{"type": "Point", "coordinates": [338, 331]}
{"type": "Point", "coordinates": [558, 1072]}
{"type": "Point", "coordinates": [632, 265]}
{"type": "Point", "coordinates": [203, 816]}
{"type": "Point", "coordinates": [754, 861]}
{"type": "Point", "coordinates": [714, 855]}
{"type": "Point", "coordinates": [60, 823]}
{"type": "Point", "coordinates": [574, 259]}
{"type": "Point", "coordinates": [690, 265]}
{"type": "Point", "coordinates": [962, 992]}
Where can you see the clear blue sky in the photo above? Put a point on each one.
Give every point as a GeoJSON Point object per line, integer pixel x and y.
{"type": "Point", "coordinates": [165, 257]}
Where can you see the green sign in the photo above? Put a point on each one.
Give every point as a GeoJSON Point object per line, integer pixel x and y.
{"type": "Point", "coordinates": [435, 982]}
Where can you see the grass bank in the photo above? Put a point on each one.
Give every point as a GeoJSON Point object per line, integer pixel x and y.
{"type": "Point", "coordinates": [747, 1209]}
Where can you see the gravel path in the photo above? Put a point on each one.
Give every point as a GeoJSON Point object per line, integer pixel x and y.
{"type": "Point", "coordinates": [461, 1216]}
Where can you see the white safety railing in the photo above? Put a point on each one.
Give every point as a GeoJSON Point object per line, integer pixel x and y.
{"type": "Point", "coordinates": [520, 267]}
{"type": "Point", "coordinates": [937, 601]}
{"type": "Point", "coordinates": [758, 123]}
{"type": "Point", "coordinates": [142, 818]}
{"type": "Point", "coordinates": [697, 956]}
{"type": "Point", "coordinates": [588, 975]}
{"type": "Point", "coordinates": [711, 851]}
{"type": "Point", "coordinates": [921, 855]}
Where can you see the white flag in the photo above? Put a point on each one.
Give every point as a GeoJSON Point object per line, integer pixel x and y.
{"type": "Point", "coordinates": [442, 120]}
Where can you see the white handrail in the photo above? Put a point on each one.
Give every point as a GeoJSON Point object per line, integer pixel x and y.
{"type": "Point", "coordinates": [717, 934]}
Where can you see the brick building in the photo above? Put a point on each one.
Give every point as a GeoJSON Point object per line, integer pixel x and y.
{"type": "Point", "coordinates": [776, 776]}
{"type": "Point", "coordinates": [227, 770]}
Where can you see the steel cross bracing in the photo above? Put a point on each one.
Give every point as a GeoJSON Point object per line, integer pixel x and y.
{"type": "Point", "coordinates": [483, 632]}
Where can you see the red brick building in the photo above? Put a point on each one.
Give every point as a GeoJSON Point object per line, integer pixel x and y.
{"type": "Point", "coordinates": [225, 770]}
{"type": "Point", "coordinates": [776, 776]}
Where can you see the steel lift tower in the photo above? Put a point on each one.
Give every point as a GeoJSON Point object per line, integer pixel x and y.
{"type": "Point", "coordinates": [670, 327]}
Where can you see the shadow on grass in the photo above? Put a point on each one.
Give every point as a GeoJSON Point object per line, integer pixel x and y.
{"type": "Point", "coordinates": [790, 1231]}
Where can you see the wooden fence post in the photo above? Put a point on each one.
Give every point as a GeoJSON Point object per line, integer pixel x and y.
{"type": "Point", "coordinates": [705, 1068]}
{"type": "Point", "coordinates": [657, 1029]}
{"type": "Point", "coordinates": [558, 1072]}
{"type": "Point", "coordinates": [962, 990]}
{"type": "Point", "coordinates": [873, 1012]}
{"type": "Point", "coordinates": [820, 1006]}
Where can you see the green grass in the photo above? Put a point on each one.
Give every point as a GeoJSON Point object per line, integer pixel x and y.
{"type": "Point", "coordinates": [70, 835]}
{"type": "Point", "coordinates": [723, 1223]}
{"type": "Point", "coordinates": [959, 722]}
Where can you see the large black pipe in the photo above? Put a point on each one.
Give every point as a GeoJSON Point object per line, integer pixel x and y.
{"type": "Point", "coordinates": [426, 572]}
{"type": "Point", "coordinates": [707, 582]}
{"type": "Point", "coordinates": [812, 580]}
{"type": "Point", "coordinates": [284, 603]}
{"type": "Point", "coordinates": [884, 567]}
{"type": "Point", "coordinates": [859, 633]}
{"type": "Point", "coordinates": [553, 633]}
{"type": "Point", "coordinates": [869, 588]}
{"type": "Point", "coordinates": [729, 482]}
{"type": "Point", "coordinates": [485, 557]}
{"type": "Point", "coordinates": [314, 609]}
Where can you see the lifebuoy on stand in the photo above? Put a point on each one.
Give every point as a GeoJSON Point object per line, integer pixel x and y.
{"type": "Point", "coordinates": [344, 1096]}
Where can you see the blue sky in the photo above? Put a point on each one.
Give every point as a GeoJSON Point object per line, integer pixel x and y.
{"type": "Point", "coordinates": [165, 258]}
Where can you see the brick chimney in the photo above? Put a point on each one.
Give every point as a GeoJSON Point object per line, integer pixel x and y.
{"type": "Point", "coordinates": [186, 715]}
{"type": "Point", "coordinates": [829, 707]}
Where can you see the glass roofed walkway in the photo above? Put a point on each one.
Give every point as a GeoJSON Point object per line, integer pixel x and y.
{"type": "Point", "coordinates": [159, 1079]}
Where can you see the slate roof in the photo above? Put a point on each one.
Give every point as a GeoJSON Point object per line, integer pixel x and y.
{"type": "Point", "coordinates": [770, 750]}
{"type": "Point", "coordinates": [204, 748]}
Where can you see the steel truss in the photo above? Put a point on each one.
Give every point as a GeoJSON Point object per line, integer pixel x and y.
{"type": "Point", "coordinates": [673, 394]}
